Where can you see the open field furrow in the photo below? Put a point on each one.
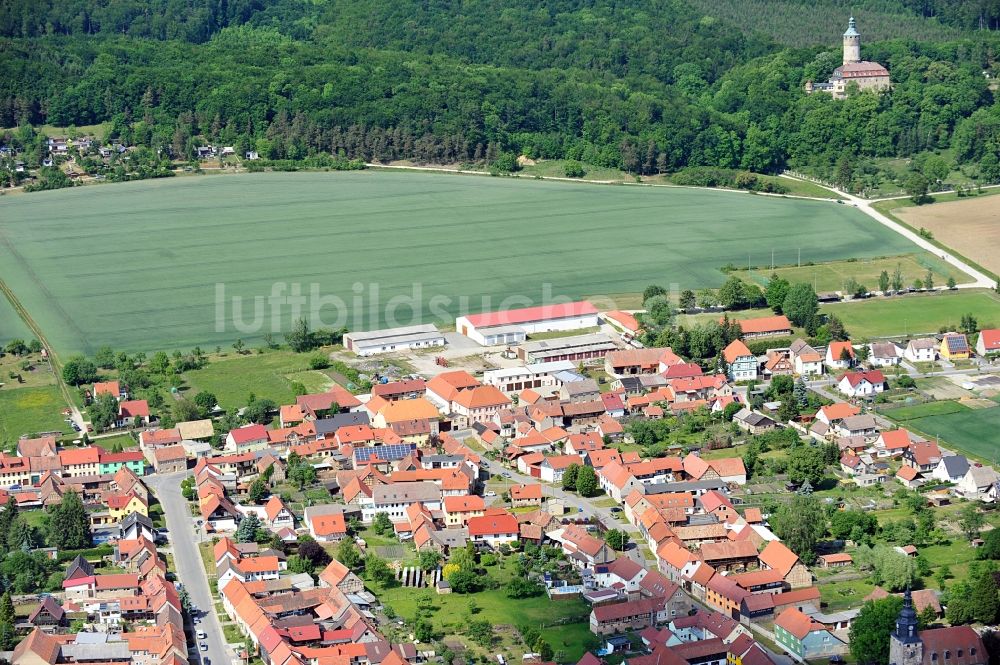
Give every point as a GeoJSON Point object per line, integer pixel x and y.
{"type": "Point", "coordinates": [135, 265]}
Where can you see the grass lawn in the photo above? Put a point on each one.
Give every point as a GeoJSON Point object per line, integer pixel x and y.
{"type": "Point", "coordinates": [834, 275]}
{"type": "Point", "coordinates": [689, 320]}
{"type": "Point", "coordinates": [562, 623]}
{"type": "Point", "coordinates": [269, 375]}
{"type": "Point", "coordinates": [556, 168]}
{"type": "Point", "coordinates": [844, 594]}
{"type": "Point", "coordinates": [281, 230]}
{"type": "Point", "coordinates": [124, 440]}
{"type": "Point", "coordinates": [40, 373]}
{"type": "Point", "coordinates": [916, 314]}
{"type": "Point", "coordinates": [30, 410]}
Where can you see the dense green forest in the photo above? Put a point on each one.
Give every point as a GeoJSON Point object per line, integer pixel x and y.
{"type": "Point", "coordinates": [645, 85]}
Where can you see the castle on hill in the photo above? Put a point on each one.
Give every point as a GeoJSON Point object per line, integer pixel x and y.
{"type": "Point", "coordinates": [867, 75]}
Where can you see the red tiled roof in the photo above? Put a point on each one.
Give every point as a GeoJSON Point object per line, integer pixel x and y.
{"type": "Point", "coordinates": [736, 349]}
{"type": "Point", "coordinates": [765, 324]}
{"type": "Point", "coordinates": [134, 407]}
{"type": "Point", "coordinates": [624, 319]}
{"type": "Point", "coordinates": [492, 525]}
{"type": "Point", "coordinates": [991, 339]}
{"type": "Point", "coordinates": [530, 314]}
{"type": "Point", "coordinates": [777, 555]}
{"type": "Point", "coordinates": [248, 433]}
{"type": "Point", "coordinates": [525, 491]}
{"type": "Point", "coordinates": [797, 623]}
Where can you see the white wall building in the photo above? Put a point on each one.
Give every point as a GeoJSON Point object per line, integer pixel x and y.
{"type": "Point", "coordinates": [513, 325]}
{"type": "Point", "coordinates": [538, 375]}
{"type": "Point", "coordinates": [394, 339]}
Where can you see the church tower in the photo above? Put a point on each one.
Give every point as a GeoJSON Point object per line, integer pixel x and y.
{"type": "Point", "coordinates": [905, 647]}
{"type": "Point", "coordinates": [852, 44]}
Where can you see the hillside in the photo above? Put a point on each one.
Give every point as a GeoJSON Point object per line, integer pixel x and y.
{"type": "Point", "coordinates": [808, 24]}
{"type": "Point", "coordinates": [644, 86]}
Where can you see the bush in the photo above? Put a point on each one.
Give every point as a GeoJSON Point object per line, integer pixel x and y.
{"type": "Point", "coordinates": [574, 169]}
{"type": "Point", "coordinates": [319, 361]}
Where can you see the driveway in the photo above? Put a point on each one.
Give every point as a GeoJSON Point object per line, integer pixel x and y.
{"type": "Point", "coordinates": [187, 560]}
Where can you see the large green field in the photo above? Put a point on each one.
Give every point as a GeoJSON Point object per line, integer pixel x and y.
{"type": "Point", "coordinates": [11, 325]}
{"type": "Point", "coordinates": [139, 265]}
{"type": "Point", "coordinates": [916, 314]}
{"type": "Point", "coordinates": [970, 431]}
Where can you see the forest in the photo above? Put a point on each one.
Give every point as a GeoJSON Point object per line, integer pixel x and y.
{"type": "Point", "coordinates": [648, 87]}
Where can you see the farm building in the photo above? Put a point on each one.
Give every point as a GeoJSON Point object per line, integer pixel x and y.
{"type": "Point", "coordinates": [516, 379]}
{"type": "Point", "coordinates": [579, 347]}
{"type": "Point", "coordinates": [765, 326]}
{"type": "Point", "coordinates": [394, 339]}
{"type": "Point", "coordinates": [513, 325]}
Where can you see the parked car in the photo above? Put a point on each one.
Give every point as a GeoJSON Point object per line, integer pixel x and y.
{"type": "Point", "coordinates": [204, 646]}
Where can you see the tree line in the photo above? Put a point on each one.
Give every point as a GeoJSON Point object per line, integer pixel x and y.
{"type": "Point", "coordinates": [655, 87]}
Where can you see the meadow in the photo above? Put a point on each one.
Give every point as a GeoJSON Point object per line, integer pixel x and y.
{"type": "Point", "coordinates": [916, 314]}
{"type": "Point", "coordinates": [30, 410]}
{"type": "Point", "coordinates": [137, 265]}
{"type": "Point", "coordinates": [270, 375]}
{"type": "Point", "coordinates": [834, 275]}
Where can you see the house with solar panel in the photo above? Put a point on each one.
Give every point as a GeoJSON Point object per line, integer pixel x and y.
{"type": "Point", "coordinates": [954, 346]}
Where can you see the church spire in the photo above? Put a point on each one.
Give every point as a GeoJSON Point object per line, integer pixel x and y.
{"type": "Point", "coordinates": [906, 624]}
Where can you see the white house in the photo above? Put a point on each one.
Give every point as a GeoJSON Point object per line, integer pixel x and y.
{"type": "Point", "coordinates": [553, 468]}
{"type": "Point", "coordinates": [951, 469]}
{"type": "Point", "coordinates": [921, 350]}
{"type": "Point", "coordinates": [977, 481]}
{"type": "Point", "coordinates": [840, 355]}
{"type": "Point", "coordinates": [988, 342]}
{"type": "Point", "coordinates": [883, 354]}
{"type": "Point", "coordinates": [806, 360]}
{"type": "Point", "coordinates": [494, 528]}
{"type": "Point", "coordinates": [862, 384]}
{"type": "Point", "coordinates": [513, 325]}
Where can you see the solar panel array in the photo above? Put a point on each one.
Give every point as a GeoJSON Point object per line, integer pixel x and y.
{"type": "Point", "coordinates": [956, 343]}
{"type": "Point", "coordinates": [391, 452]}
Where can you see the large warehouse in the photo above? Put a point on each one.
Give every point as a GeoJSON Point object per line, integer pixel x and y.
{"type": "Point", "coordinates": [512, 326]}
{"type": "Point", "coordinates": [393, 339]}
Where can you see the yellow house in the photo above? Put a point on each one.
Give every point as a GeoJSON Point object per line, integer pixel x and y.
{"type": "Point", "coordinates": [121, 506]}
{"type": "Point", "coordinates": [954, 346]}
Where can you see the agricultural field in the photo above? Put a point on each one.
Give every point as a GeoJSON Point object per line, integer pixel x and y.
{"type": "Point", "coordinates": [915, 314]}
{"type": "Point", "coordinates": [834, 275]}
{"type": "Point", "coordinates": [30, 410]}
{"type": "Point", "coordinates": [968, 225]}
{"type": "Point", "coordinates": [11, 325]}
{"type": "Point", "coordinates": [156, 264]}
{"type": "Point", "coordinates": [970, 431]}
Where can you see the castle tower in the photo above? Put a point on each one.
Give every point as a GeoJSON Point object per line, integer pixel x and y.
{"type": "Point", "coordinates": [905, 647]}
{"type": "Point", "coordinates": [852, 43]}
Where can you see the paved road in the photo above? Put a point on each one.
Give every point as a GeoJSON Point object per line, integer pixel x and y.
{"type": "Point", "coordinates": [187, 560]}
